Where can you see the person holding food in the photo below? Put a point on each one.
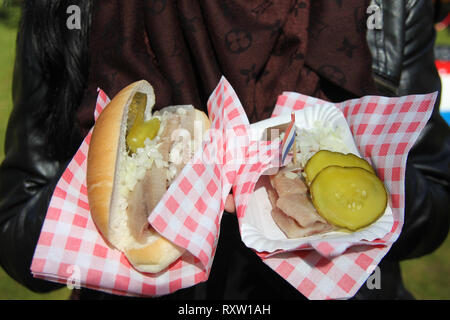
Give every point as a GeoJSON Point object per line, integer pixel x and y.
{"type": "Point", "coordinates": [323, 49]}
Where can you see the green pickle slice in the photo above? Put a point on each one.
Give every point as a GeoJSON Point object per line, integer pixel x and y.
{"type": "Point", "coordinates": [136, 109]}
{"type": "Point", "coordinates": [348, 197]}
{"type": "Point", "coordinates": [137, 129]}
{"type": "Point", "coordinates": [325, 158]}
{"type": "Point", "coordinates": [141, 131]}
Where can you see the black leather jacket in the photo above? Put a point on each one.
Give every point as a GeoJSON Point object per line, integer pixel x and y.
{"type": "Point", "coordinates": [403, 63]}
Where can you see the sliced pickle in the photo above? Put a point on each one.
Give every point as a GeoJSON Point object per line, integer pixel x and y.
{"type": "Point", "coordinates": [136, 109]}
{"type": "Point", "coordinates": [348, 197]}
{"type": "Point", "coordinates": [137, 129]}
{"type": "Point", "coordinates": [141, 131]}
{"type": "Point", "coordinates": [325, 158]}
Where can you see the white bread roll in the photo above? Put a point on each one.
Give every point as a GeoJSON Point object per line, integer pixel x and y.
{"type": "Point", "coordinates": [108, 201]}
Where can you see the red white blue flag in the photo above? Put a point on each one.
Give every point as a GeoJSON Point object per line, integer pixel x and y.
{"type": "Point", "coordinates": [289, 139]}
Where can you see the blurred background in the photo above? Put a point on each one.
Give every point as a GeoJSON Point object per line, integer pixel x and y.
{"type": "Point", "coordinates": [426, 278]}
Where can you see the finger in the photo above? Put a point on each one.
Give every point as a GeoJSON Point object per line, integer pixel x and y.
{"type": "Point", "coordinates": [229, 204]}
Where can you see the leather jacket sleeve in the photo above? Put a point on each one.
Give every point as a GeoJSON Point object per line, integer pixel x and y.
{"type": "Point", "coordinates": [408, 28]}
{"type": "Point", "coordinates": [27, 175]}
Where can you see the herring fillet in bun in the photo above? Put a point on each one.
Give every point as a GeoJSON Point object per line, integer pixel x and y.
{"type": "Point", "coordinates": [134, 155]}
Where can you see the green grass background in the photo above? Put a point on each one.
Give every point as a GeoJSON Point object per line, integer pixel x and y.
{"type": "Point", "coordinates": [10, 289]}
{"type": "Point", "coordinates": [426, 277]}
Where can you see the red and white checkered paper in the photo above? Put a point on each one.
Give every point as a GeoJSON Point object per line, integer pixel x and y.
{"type": "Point", "coordinates": [70, 249]}
{"type": "Point", "coordinates": [189, 214]}
{"type": "Point", "coordinates": [384, 130]}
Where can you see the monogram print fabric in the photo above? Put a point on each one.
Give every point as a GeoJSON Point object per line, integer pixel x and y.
{"type": "Point", "coordinates": [263, 47]}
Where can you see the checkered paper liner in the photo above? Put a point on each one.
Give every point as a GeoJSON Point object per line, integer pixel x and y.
{"type": "Point", "coordinates": [70, 249]}
{"type": "Point", "coordinates": [259, 231]}
{"type": "Point", "coordinates": [384, 130]}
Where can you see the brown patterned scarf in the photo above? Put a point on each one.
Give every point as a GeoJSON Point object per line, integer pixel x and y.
{"type": "Point", "coordinates": [263, 47]}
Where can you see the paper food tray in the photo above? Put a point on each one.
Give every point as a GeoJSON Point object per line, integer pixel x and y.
{"type": "Point", "coordinates": [259, 230]}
